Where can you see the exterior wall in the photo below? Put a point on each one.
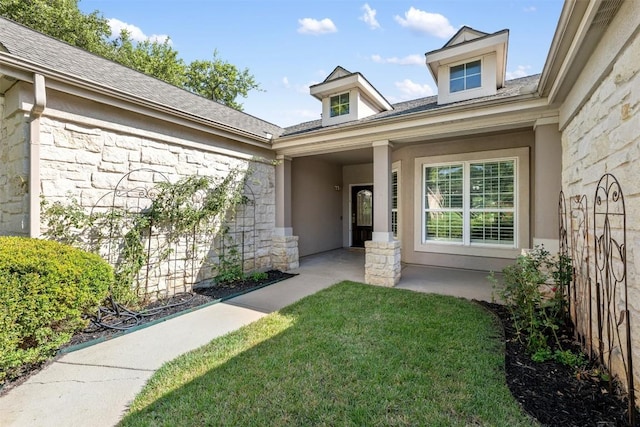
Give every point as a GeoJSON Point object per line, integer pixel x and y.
{"type": "Point", "coordinates": [352, 175]}
{"type": "Point", "coordinates": [86, 148]}
{"type": "Point", "coordinates": [316, 205]}
{"type": "Point", "coordinates": [601, 134]}
{"type": "Point", "coordinates": [14, 167]}
{"type": "Point", "coordinates": [411, 182]}
{"type": "Point", "coordinates": [546, 186]}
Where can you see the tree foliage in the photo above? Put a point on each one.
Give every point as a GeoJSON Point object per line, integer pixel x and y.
{"type": "Point", "coordinates": [214, 79]}
{"type": "Point", "coordinates": [219, 81]}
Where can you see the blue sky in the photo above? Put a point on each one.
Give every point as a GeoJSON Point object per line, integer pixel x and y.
{"type": "Point", "coordinates": [289, 45]}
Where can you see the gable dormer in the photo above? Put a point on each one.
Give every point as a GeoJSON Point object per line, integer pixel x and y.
{"type": "Point", "coordinates": [346, 97]}
{"type": "Point", "coordinates": [471, 64]}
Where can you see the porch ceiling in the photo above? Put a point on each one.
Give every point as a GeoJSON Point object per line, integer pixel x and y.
{"type": "Point", "coordinates": [348, 157]}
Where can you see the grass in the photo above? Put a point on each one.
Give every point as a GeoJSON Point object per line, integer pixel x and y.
{"type": "Point", "coordinates": [351, 355]}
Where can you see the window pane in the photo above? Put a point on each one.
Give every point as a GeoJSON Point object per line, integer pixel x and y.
{"type": "Point", "coordinates": [473, 68]}
{"type": "Point", "coordinates": [456, 85]}
{"type": "Point", "coordinates": [444, 226]}
{"type": "Point", "coordinates": [364, 212]}
{"type": "Point", "coordinates": [474, 81]}
{"type": "Point", "coordinates": [492, 227]}
{"type": "Point", "coordinates": [457, 72]}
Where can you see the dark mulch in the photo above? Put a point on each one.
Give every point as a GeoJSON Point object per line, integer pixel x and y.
{"type": "Point", "coordinates": [555, 394]}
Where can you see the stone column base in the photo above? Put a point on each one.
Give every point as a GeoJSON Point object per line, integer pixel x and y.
{"type": "Point", "coordinates": [382, 263]}
{"type": "Point", "coordinates": [284, 253]}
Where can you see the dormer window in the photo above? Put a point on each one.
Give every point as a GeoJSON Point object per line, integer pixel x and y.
{"type": "Point", "coordinates": [465, 76]}
{"type": "Point", "coordinates": [339, 105]}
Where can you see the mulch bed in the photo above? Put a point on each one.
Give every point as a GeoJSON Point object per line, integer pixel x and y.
{"type": "Point", "coordinates": [555, 394]}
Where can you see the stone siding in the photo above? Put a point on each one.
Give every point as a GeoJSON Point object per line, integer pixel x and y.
{"type": "Point", "coordinates": [86, 163]}
{"type": "Point", "coordinates": [604, 137]}
{"type": "Point", "coordinates": [382, 263]}
{"type": "Point", "coordinates": [14, 172]}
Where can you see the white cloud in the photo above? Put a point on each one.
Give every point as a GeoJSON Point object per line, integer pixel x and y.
{"type": "Point", "coordinates": [135, 33]}
{"type": "Point", "coordinates": [369, 17]}
{"type": "Point", "coordinates": [285, 82]}
{"type": "Point", "coordinates": [521, 71]}
{"type": "Point", "coordinates": [315, 27]}
{"type": "Point", "coordinates": [415, 59]}
{"type": "Point", "coordinates": [529, 9]}
{"type": "Point", "coordinates": [425, 22]}
{"type": "Point", "coordinates": [411, 90]}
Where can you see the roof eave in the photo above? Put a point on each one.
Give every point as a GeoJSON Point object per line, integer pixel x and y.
{"type": "Point", "coordinates": [22, 69]}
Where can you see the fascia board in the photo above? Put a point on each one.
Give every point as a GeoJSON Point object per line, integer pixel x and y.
{"type": "Point", "coordinates": [423, 126]}
{"type": "Point", "coordinates": [109, 96]}
{"type": "Point", "coordinates": [343, 84]}
{"type": "Point", "coordinates": [473, 47]}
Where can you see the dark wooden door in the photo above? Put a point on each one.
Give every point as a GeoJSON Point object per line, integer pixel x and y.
{"type": "Point", "coordinates": [361, 214]}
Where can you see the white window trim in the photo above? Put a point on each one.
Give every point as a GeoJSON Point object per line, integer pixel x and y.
{"type": "Point", "coordinates": [521, 232]}
{"type": "Point", "coordinates": [348, 93]}
{"type": "Point", "coordinates": [467, 61]}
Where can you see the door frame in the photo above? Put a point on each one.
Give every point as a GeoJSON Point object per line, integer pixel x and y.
{"type": "Point", "coordinates": [365, 184]}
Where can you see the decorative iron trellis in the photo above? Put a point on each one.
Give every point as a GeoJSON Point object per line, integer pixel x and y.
{"type": "Point", "coordinates": [158, 259]}
{"type": "Point", "coordinates": [582, 313]}
{"type": "Point", "coordinates": [610, 282]}
{"type": "Point", "coordinates": [564, 247]}
{"type": "Point", "coordinates": [611, 279]}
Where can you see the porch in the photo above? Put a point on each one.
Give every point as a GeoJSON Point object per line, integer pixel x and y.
{"type": "Point", "coordinates": [348, 264]}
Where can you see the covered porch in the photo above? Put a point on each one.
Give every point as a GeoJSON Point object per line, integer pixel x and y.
{"type": "Point", "coordinates": [349, 264]}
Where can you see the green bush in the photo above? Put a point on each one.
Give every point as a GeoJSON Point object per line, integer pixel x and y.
{"type": "Point", "coordinates": [45, 288]}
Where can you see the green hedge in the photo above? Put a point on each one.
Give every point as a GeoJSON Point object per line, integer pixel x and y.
{"type": "Point", "coordinates": [45, 288]}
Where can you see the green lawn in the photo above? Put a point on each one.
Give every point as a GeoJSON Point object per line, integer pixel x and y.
{"type": "Point", "coordinates": [351, 355]}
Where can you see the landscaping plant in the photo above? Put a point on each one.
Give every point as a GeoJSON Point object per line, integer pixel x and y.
{"type": "Point", "coordinates": [45, 289]}
{"type": "Point", "coordinates": [534, 290]}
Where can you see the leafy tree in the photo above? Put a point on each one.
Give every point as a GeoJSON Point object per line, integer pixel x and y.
{"type": "Point", "coordinates": [62, 20]}
{"type": "Point", "coordinates": [219, 81]}
{"type": "Point", "coordinates": [154, 58]}
{"type": "Point", "coordinates": [215, 79]}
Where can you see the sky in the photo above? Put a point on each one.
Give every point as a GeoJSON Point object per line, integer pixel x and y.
{"type": "Point", "coordinates": [288, 45]}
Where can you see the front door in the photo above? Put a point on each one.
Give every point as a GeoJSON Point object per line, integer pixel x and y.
{"type": "Point", "coordinates": [361, 214]}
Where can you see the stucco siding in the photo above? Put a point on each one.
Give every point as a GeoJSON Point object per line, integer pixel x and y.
{"type": "Point", "coordinates": [316, 205]}
{"type": "Point", "coordinates": [411, 182]}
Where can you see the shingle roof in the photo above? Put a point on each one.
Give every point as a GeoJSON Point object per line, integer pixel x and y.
{"type": "Point", "coordinates": [45, 51]}
{"type": "Point", "coordinates": [511, 88]}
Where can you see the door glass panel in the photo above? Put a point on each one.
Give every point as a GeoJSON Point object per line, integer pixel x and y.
{"type": "Point", "coordinates": [364, 211]}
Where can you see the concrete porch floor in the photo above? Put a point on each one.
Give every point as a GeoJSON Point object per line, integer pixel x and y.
{"type": "Point", "coordinates": [348, 264]}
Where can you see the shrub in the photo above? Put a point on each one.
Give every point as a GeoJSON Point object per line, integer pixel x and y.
{"type": "Point", "coordinates": [536, 316]}
{"type": "Point", "coordinates": [45, 288]}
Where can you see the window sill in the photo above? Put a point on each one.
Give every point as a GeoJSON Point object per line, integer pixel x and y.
{"type": "Point", "coordinates": [492, 251]}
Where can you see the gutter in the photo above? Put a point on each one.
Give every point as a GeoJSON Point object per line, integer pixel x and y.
{"type": "Point", "coordinates": [39, 104]}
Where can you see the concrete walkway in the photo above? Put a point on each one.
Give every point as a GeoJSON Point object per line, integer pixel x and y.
{"type": "Point", "coordinates": [93, 386]}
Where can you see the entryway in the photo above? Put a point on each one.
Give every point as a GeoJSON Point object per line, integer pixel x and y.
{"type": "Point", "coordinates": [361, 214]}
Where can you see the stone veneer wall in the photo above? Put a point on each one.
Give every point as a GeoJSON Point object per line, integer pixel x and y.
{"type": "Point", "coordinates": [14, 167]}
{"type": "Point", "coordinates": [382, 263]}
{"type": "Point", "coordinates": [604, 137]}
{"type": "Point", "coordinates": [87, 163]}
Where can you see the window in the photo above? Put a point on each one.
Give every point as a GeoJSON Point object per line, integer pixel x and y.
{"type": "Point", "coordinates": [394, 203]}
{"type": "Point", "coordinates": [339, 105]}
{"type": "Point", "coordinates": [465, 76]}
{"type": "Point", "coordinates": [470, 203]}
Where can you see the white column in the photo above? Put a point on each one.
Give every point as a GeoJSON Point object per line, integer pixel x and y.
{"type": "Point", "coordinates": [283, 196]}
{"type": "Point", "coordinates": [382, 192]}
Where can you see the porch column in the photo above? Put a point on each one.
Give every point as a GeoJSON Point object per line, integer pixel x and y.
{"type": "Point", "coordinates": [382, 253]}
{"type": "Point", "coordinates": [284, 248]}
{"type": "Point", "coordinates": [547, 175]}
